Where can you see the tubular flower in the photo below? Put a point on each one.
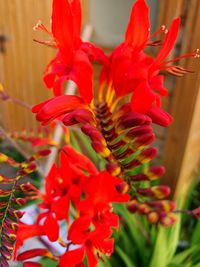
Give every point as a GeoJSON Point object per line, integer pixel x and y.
{"type": "Point", "coordinates": [73, 58]}
{"type": "Point", "coordinates": [120, 130]}
{"type": "Point", "coordinates": [133, 71]}
{"type": "Point", "coordinates": [73, 182]}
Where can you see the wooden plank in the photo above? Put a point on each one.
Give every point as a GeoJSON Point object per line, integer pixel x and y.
{"type": "Point", "coordinates": [24, 60]}
{"type": "Point", "coordinates": [184, 105]}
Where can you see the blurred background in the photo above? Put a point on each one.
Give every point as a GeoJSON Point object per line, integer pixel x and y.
{"type": "Point", "coordinates": [22, 62]}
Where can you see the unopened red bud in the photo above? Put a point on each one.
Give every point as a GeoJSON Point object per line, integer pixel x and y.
{"type": "Point", "coordinates": [158, 192]}
{"type": "Point", "coordinates": [159, 116]}
{"type": "Point", "coordinates": [132, 164]}
{"type": "Point", "coordinates": [133, 206]}
{"type": "Point", "coordinates": [131, 119]}
{"type": "Point", "coordinates": [4, 262]}
{"type": "Point", "coordinates": [10, 224]}
{"type": "Point", "coordinates": [145, 139]}
{"type": "Point", "coordinates": [122, 187]}
{"type": "Point", "coordinates": [139, 131]}
{"type": "Point", "coordinates": [113, 168]}
{"type": "Point", "coordinates": [163, 205]}
{"type": "Point", "coordinates": [92, 132]}
{"type": "Point", "coordinates": [196, 213]}
{"type": "Point", "coordinates": [78, 116]}
{"type": "Point", "coordinates": [153, 217]}
{"type": "Point", "coordinates": [168, 220]}
{"type": "Point", "coordinates": [148, 154]}
{"type": "Point", "coordinates": [6, 253]}
{"type": "Point", "coordinates": [101, 149]}
{"type": "Point", "coordinates": [16, 213]}
{"type": "Point", "coordinates": [6, 180]}
{"type": "Point", "coordinates": [139, 177]}
{"type": "Point", "coordinates": [144, 208]}
{"type": "Point", "coordinates": [4, 193]}
{"type": "Point", "coordinates": [19, 201]}
{"type": "Point", "coordinates": [155, 172]}
{"type": "Point", "coordinates": [44, 153]}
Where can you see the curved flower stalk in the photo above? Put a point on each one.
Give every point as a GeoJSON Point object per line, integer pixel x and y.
{"type": "Point", "coordinates": [10, 201]}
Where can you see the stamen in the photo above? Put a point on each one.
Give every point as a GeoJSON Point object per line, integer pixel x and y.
{"type": "Point", "coordinates": [160, 30]}
{"type": "Point", "coordinates": [194, 54]}
{"type": "Point", "coordinates": [155, 43]}
{"type": "Point", "coordinates": [40, 26]}
{"type": "Point", "coordinates": [50, 43]}
{"type": "Point", "coordinates": [177, 70]}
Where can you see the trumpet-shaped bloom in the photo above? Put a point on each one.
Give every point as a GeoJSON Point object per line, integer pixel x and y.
{"type": "Point", "coordinates": [73, 59]}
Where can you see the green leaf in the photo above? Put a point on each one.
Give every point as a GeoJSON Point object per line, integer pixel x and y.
{"type": "Point", "coordinates": [165, 246]}
{"type": "Point", "coordinates": [128, 262]}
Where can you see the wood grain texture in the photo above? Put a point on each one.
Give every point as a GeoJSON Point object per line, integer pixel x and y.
{"type": "Point", "coordinates": [24, 60]}
{"type": "Point", "coordinates": [182, 149]}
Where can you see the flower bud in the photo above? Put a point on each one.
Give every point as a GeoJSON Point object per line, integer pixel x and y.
{"type": "Point", "coordinates": [155, 172]}
{"type": "Point", "coordinates": [153, 217]}
{"type": "Point", "coordinates": [196, 213]}
{"type": "Point", "coordinates": [113, 169]}
{"type": "Point", "coordinates": [133, 206]}
{"type": "Point", "coordinates": [158, 192]}
{"type": "Point", "coordinates": [122, 188]}
{"type": "Point", "coordinates": [163, 205]}
{"type": "Point", "coordinates": [131, 119]}
{"type": "Point", "coordinates": [168, 220]}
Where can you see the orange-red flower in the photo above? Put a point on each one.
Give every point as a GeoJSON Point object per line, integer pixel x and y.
{"type": "Point", "coordinates": [73, 59]}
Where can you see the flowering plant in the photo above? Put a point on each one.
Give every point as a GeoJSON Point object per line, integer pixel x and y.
{"type": "Point", "coordinates": [117, 117]}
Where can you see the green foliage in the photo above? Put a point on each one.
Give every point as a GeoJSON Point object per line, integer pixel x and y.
{"type": "Point", "coordinates": [10, 202]}
{"type": "Point", "coordinates": [139, 244]}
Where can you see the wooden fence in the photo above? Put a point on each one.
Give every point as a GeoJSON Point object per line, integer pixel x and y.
{"type": "Point", "coordinates": [22, 63]}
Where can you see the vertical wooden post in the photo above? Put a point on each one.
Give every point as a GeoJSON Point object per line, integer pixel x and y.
{"type": "Point", "coordinates": [181, 148]}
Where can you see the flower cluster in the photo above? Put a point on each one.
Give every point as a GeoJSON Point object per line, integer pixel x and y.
{"type": "Point", "coordinates": [72, 185]}
{"type": "Point", "coordinates": [117, 118]}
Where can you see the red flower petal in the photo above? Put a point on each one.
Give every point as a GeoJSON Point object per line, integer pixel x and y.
{"type": "Point", "coordinates": [82, 75]}
{"type": "Point", "coordinates": [57, 106]}
{"type": "Point", "coordinates": [91, 258]}
{"type": "Point", "coordinates": [143, 98]}
{"type": "Point", "coordinates": [137, 32]}
{"type": "Point", "coordinates": [26, 231]}
{"type": "Point", "coordinates": [80, 160]}
{"type": "Point", "coordinates": [72, 258]}
{"type": "Point", "coordinates": [66, 24]}
{"type": "Point", "coordinates": [61, 207]}
{"type": "Point", "coordinates": [168, 43]}
{"type": "Point", "coordinates": [32, 253]}
{"type": "Point", "coordinates": [51, 227]}
{"type": "Point", "coordinates": [78, 232]}
{"type": "Point", "coordinates": [159, 116]}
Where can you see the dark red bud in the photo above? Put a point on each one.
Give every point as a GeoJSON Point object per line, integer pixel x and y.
{"type": "Point", "coordinates": [113, 168]}
{"type": "Point", "coordinates": [196, 213]}
{"type": "Point", "coordinates": [155, 172]}
{"type": "Point", "coordinates": [131, 119]}
{"type": "Point", "coordinates": [140, 130]}
{"type": "Point", "coordinates": [133, 206]}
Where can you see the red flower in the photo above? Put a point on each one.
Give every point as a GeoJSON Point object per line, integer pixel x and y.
{"type": "Point", "coordinates": [57, 107]}
{"type": "Point", "coordinates": [73, 59]}
{"type": "Point", "coordinates": [132, 71]}
{"type": "Point", "coordinates": [90, 241]}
